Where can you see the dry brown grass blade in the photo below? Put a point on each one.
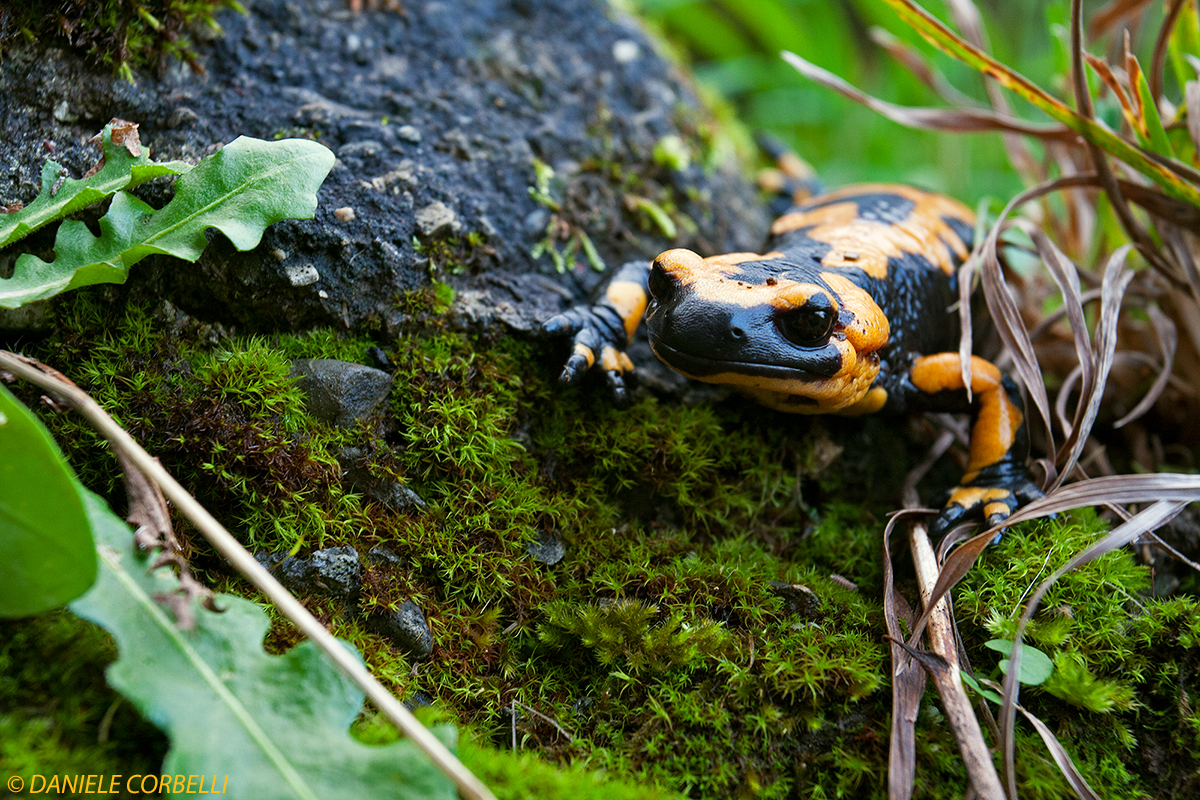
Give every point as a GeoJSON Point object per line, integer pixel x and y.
{"type": "Point", "coordinates": [1168, 209]}
{"type": "Point", "coordinates": [1160, 47]}
{"type": "Point", "coordinates": [954, 569]}
{"type": "Point", "coordinates": [1006, 316]}
{"type": "Point", "coordinates": [1112, 188]}
{"type": "Point", "coordinates": [1059, 753]}
{"type": "Point", "coordinates": [960, 120]}
{"type": "Point", "coordinates": [1105, 490]}
{"type": "Point", "coordinates": [1191, 98]}
{"type": "Point", "coordinates": [1149, 519]}
{"type": "Point", "coordinates": [1110, 15]}
{"type": "Point", "coordinates": [1168, 341]}
{"type": "Point", "coordinates": [1112, 292]}
{"type": "Point", "coordinates": [1060, 402]}
{"type": "Point", "coordinates": [1066, 275]}
{"type": "Point", "coordinates": [1133, 70]}
{"type": "Point", "coordinates": [944, 669]}
{"type": "Point", "coordinates": [921, 69]}
{"type": "Point", "coordinates": [1104, 70]}
{"type": "Point", "coordinates": [908, 684]}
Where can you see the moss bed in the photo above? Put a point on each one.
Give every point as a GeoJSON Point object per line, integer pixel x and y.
{"type": "Point", "coordinates": [714, 630]}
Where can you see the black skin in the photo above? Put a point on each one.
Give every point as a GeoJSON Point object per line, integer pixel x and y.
{"type": "Point", "coordinates": [705, 337]}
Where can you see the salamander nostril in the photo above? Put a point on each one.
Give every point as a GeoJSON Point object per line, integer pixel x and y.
{"type": "Point", "coordinates": [736, 333]}
{"type": "Point", "coordinates": [662, 286]}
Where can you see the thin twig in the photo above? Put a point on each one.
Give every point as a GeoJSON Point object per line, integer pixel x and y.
{"type": "Point", "coordinates": [976, 756]}
{"type": "Point", "coordinates": [240, 558]}
{"type": "Point", "coordinates": [551, 720]}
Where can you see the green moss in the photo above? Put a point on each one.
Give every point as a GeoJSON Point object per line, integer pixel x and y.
{"type": "Point", "coordinates": [629, 633]}
{"type": "Point", "coordinates": [1122, 660]}
{"type": "Point", "coordinates": [454, 254]}
{"type": "Point", "coordinates": [124, 35]}
{"type": "Point", "coordinates": [693, 637]}
{"type": "Point", "coordinates": [65, 719]}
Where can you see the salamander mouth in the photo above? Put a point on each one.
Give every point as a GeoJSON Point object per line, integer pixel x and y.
{"type": "Point", "coordinates": [701, 366]}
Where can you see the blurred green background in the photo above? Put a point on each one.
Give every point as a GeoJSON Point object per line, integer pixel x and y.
{"type": "Point", "coordinates": [732, 47]}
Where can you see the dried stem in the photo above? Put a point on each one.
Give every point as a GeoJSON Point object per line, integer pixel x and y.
{"type": "Point", "coordinates": [976, 756]}
{"type": "Point", "coordinates": [291, 608]}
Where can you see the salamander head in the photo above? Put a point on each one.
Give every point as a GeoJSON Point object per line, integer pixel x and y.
{"type": "Point", "coordinates": [795, 337]}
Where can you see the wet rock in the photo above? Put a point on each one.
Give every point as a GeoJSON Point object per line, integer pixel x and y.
{"type": "Point", "coordinates": [33, 317]}
{"type": "Point", "coordinates": [337, 571]}
{"type": "Point", "coordinates": [384, 557]}
{"type": "Point", "coordinates": [436, 218]}
{"type": "Point", "coordinates": [339, 392]}
{"type": "Point", "coordinates": [418, 699]}
{"type": "Point", "coordinates": [797, 598]}
{"type": "Point", "coordinates": [392, 494]}
{"type": "Point", "coordinates": [548, 548]}
{"type": "Point", "coordinates": [334, 572]}
{"type": "Point", "coordinates": [406, 628]}
{"type": "Point", "coordinates": [443, 109]}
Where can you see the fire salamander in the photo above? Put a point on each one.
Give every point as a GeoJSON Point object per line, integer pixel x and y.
{"type": "Point", "coordinates": [845, 312]}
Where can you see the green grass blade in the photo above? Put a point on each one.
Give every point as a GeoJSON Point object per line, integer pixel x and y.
{"type": "Point", "coordinates": [945, 39]}
{"type": "Point", "coordinates": [1156, 133]}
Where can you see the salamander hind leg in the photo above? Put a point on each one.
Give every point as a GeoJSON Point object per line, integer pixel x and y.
{"type": "Point", "coordinates": [996, 481]}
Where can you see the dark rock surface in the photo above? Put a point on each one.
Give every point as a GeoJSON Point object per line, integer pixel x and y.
{"type": "Point", "coordinates": [392, 494]}
{"type": "Point", "coordinates": [548, 548]}
{"type": "Point", "coordinates": [335, 571]}
{"type": "Point", "coordinates": [339, 392]}
{"type": "Point", "coordinates": [436, 116]}
{"type": "Point", "coordinates": [406, 628]}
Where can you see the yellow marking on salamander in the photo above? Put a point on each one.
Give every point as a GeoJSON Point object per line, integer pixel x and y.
{"type": "Point", "coordinates": [868, 244]}
{"type": "Point", "coordinates": [996, 426]}
{"type": "Point", "coordinates": [629, 300]}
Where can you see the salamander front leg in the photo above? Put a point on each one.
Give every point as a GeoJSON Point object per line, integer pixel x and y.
{"type": "Point", "coordinates": [996, 481]}
{"type": "Point", "coordinates": [601, 332]}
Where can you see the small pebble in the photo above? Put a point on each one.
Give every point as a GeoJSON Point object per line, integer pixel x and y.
{"type": "Point", "coordinates": [624, 51]}
{"type": "Point", "coordinates": [344, 214]}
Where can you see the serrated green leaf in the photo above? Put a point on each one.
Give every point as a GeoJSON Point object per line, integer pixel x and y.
{"type": "Point", "coordinates": [45, 537]}
{"type": "Point", "coordinates": [1036, 666]}
{"type": "Point", "coordinates": [121, 170]}
{"type": "Point", "coordinates": [239, 190]}
{"type": "Point", "coordinates": [276, 725]}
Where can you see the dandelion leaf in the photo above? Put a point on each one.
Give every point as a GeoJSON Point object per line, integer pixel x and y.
{"type": "Point", "coordinates": [277, 726]}
{"type": "Point", "coordinates": [239, 190]}
{"type": "Point", "coordinates": [49, 557]}
{"type": "Point", "coordinates": [59, 197]}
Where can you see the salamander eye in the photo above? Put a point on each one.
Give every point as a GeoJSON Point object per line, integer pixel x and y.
{"type": "Point", "coordinates": [811, 324]}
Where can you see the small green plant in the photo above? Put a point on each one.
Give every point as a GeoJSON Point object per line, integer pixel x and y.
{"type": "Point", "coordinates": [626, 631]}
{"type": "Point", "coordinates": [239, 190]}
{"type": "Point", "coordinates": [114, 32]}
